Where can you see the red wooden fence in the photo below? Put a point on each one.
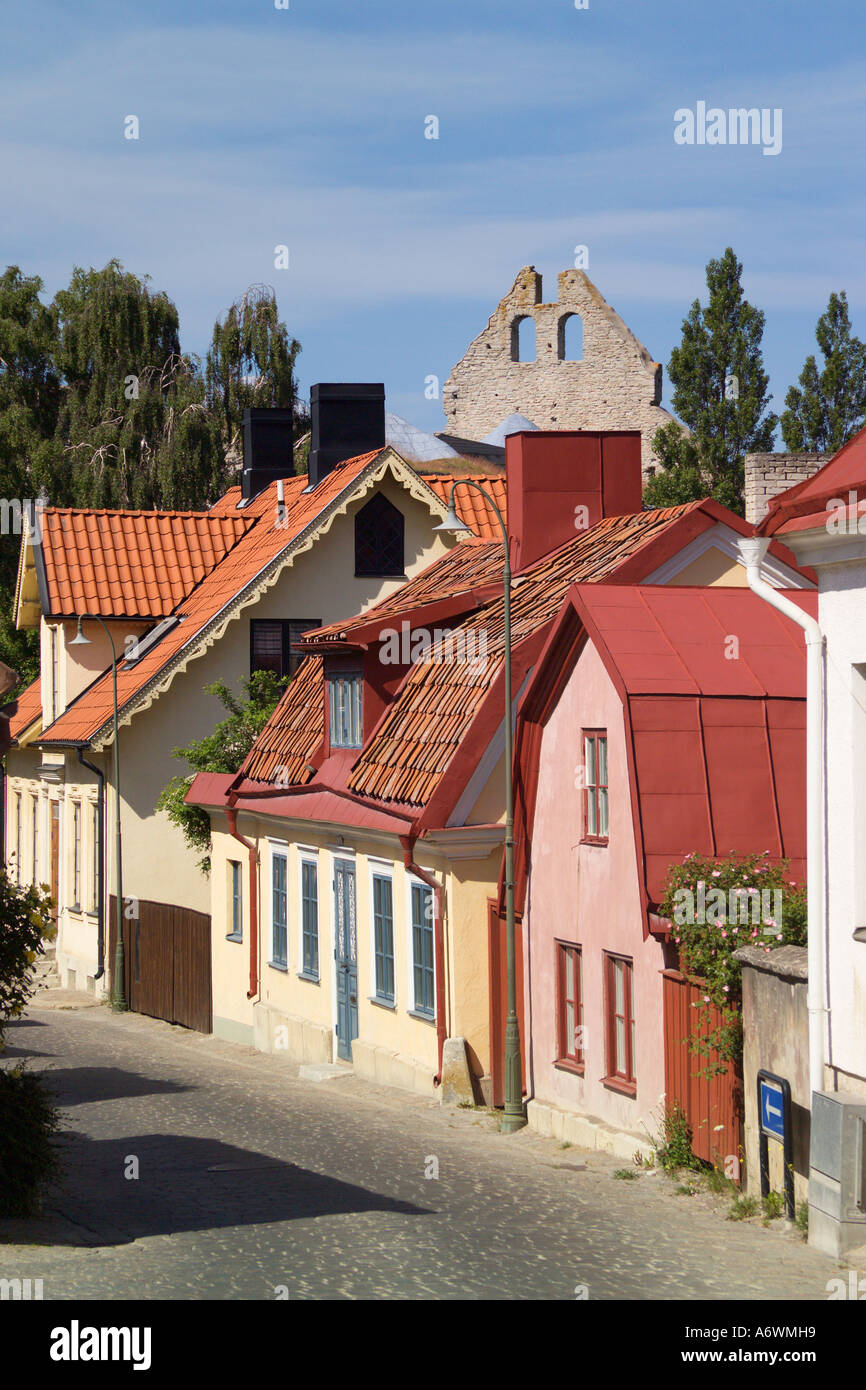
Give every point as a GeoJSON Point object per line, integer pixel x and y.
{"type": "Point", "coordinates": [712, 1104]}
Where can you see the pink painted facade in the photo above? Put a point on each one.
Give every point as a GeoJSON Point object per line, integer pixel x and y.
{"type": "Point", "coordinates": [589, 895]}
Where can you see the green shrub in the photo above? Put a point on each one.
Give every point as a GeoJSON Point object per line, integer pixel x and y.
{"type": "Point", "coordinates": [626, 1174]}
{"type": "Point", "coordinates": [675, 1150]}
{"type": "Point", "coordinates": [25, 922]}
{"type": "Point", "coordinates": [742, 1208]}
{"type": "Point", "coordinates": [28, 1141]}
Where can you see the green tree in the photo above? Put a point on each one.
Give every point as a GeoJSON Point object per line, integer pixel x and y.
{"type": "Point", "coordinates": [25, 925]}
{"type": "Point", "coordinates": [29, 402]}
{"type": "Point", "coordinates": [133, 428]}
{"type": "Point", "coordinates": [222, 751]}
{"type": "Point", "coordinates": [720, 393]}
{"type": "Point", "coordinates": [251, 362]}
{"type": "Point", "coordinates": [829, 406]}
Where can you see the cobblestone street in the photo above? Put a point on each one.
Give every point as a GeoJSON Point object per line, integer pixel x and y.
{"type": "Point", "coordinates": [254, 1184]}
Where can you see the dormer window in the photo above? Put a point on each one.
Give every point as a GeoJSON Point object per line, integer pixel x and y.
{"type": "Point", "coordinates": [345, 709]}
{"type": "Point", "coordinates": [379, 539]}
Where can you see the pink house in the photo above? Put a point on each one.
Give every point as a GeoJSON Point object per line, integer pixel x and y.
{"type": "Point", "coordinates": [658, 721]}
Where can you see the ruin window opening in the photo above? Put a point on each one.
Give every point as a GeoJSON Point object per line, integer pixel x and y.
{"type": "Point", "coordinates": [571, 338]}
{"type": "Point", "coordinates": [523, 348]}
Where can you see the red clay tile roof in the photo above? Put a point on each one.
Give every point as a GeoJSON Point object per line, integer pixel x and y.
{"type": "Point", "coordinates": [130, 564]}
{"type": "Point", "coordinates": [260, 548]}
{"type": "Point", "coordinates": [438, 701]}
{"type": "Point", "coordinates": [294, 731]}
{"type": "Point", "coordinates": [472, 508]}
{"type": "Point", "coordinates": [472, 564]}
{"type": "Point", "coordinates": [29, 707]}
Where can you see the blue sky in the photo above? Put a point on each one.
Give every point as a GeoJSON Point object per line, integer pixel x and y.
{"type": "Point", "coordinates": [305, 127]}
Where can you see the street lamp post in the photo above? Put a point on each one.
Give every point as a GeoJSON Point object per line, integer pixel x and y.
{"type": "Point", "coordinates": [118, 991]}
{"type": "Point", "coordinates": [513, 1117]}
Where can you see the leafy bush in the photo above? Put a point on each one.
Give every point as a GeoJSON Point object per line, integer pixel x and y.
{"type": "Point", "coordinates": [716, 906]}
{"type": "Point", "coordinates": [28, 1142]}
{"type": "Point", "coordinates": [742, 1208]}
{"type": "Point", "coordinates": [222, 751]}
{"type": "Point", "coordinates": [25, 924]}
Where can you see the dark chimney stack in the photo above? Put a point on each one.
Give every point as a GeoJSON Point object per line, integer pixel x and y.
{"type": "Point", "coordinates": [268, 438]}
{"type": "Point", "coordinates": [345, 421]}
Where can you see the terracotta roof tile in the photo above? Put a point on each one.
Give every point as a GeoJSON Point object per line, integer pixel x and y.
{"type": "Point", "coordinates": [29, 707]}
{"type": "Point", "coordinates": [130, 564]}
{"type": "Point", "coordinates": [260, 546]}
{"type": "Point", "coordinates": [436, 705]}
{"type": "Point", "coordinates": [294, 731]}
{"type": "Point", "coordinates": [471, 506]}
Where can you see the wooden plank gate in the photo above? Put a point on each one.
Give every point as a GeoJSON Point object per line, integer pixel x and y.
{"type": "Point", "coordinates": [713, 1105]}
{"type": "Point", "coordinates": [167, 961]}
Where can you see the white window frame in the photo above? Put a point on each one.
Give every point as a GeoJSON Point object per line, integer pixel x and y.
{"type": "Point", "coordinates": [308, 856]}
{"type": "Point", "coordinates": [412, 879]}
{"type": "Point", "coordinates": [279, 850]}
{"type": "Point", "coordinates": [382, 868]}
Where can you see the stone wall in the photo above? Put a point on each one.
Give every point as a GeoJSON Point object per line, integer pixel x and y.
{"type": "Point", "coordinates": [776, 1038]}
{"type": "Point", "coordinates": [614, 386]}
{"type": "Point", "coordinates": [768, 475]}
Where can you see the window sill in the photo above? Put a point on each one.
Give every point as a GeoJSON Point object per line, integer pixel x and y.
{"type": "Point", "coordinates": [390, 1004]}
{"type": "Point", "coordinates": [234, 936]}
{"type": "Point", "coordinates": [601, 840]}
{"type": "Point", "coordinates": [422, 1018]}
{"type": "Point", "coordinates": [370, 574]}
{"type": "Point", "coordinates": [564, 1064]}
{"type": "Point", "coordinates": [619, 1083]}
{"type": "Point", "coordinates": [279, 965]}
{"type": "Point", "coordinates": [310, 979]}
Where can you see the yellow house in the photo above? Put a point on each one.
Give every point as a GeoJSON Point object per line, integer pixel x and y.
{"type": "Point", "coordinates": [185, 599]}
{"type": "Point", "coordinates": [357, 855]}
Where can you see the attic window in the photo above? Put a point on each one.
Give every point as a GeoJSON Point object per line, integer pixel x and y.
{"type": "Point", "coordinates": [379, 540]}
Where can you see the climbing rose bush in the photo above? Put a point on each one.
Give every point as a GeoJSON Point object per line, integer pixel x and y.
{"type": "Point", "coordinates": [715, 906]}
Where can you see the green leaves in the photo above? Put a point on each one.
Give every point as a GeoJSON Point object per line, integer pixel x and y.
{"type": "Point", "coordinates": [829, 406]}
{"type": "Point", "coordinates": [222, 751]}
{"type": "Point", "coordinates": [25, 922]}
{"type": "Point", "coordinates": [720, 394]}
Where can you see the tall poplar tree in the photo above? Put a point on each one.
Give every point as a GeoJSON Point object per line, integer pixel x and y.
{"type": "Point", "coordinates": [720, 394]}
{"type": "Point", "coordinates": [829, 405]}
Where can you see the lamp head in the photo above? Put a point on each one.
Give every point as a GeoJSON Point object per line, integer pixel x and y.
{"type": "Point", "coordinates": [452, 521]}
{"type": "Point", "coordinates": [79, 640]}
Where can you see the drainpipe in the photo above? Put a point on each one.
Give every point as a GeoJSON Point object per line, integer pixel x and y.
{"type": "Point", "coordinates": [752, 552]}
{"type": "Point", "coordinates": [408, 843]}
{"type": "Point", "coordinates": [248, 845]}
{"type": "Point", "coordinates": [100, 830]}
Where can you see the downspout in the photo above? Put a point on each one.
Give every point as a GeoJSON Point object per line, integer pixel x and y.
{"type": "Point", "coordinates": [408, 843]}
{"type": "Point", "coordinates": [100, 830]}
{"type": "Point", "coordinates": [232, 817]}
{"type": "Point", "coordinates": [752, 551]}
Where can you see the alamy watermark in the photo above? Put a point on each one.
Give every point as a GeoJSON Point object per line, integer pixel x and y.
{"type": "Point", "coordinates": [739, 125]}
{"type": "Point", "coordinates": [14, 510]}
{"type": "Point", "coordinates": [442, 646]}
{"type": "Point", "coordinates": [739, 907]}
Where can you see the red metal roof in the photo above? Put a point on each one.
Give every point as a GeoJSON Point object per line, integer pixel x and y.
{"type": "Point", "coordinates": [130, 564]}
{"type": "Point", "coordinates": [804, 506]}
{"type": "Point", "coordinates": [717, 742]}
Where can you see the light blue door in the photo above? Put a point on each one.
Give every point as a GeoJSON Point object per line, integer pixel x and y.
{"type": "Point", "coordinates": [346, 957]}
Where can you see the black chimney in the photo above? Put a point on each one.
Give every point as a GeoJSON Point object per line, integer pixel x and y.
{"type": "Point", "coordinates": [268, 436]}
{"type": "Point", "coordinates": [345, 421]}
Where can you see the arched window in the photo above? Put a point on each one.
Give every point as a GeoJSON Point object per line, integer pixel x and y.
{"type": "Point", "coordinates": [571, 338]}
{"type": "Point", "coordinates": [379, 529]}
{"type": "Point", "coordinates": [523, 340]}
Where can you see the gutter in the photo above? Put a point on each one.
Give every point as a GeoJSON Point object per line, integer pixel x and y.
{"type": "Point", "coordinates": [253, 853]}
{"type": "Point", "coordinates": [100, 901]}
{"type": "Point", "coordinates": [408, 843]}
{"type": "Point", "coordinates": [752, 551]}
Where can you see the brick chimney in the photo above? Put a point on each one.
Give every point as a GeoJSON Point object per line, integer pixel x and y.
{"type": "Point", "coordinates": [561, 482]}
